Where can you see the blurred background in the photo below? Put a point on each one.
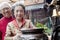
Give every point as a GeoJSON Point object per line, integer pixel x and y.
{"type": "Point", "coordinates": [41, 12]}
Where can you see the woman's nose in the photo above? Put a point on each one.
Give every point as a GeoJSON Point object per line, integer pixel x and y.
{"type": "Point", "coordinates": [6, 10]}
{"type": "Point", "coordinates": [19, 12]}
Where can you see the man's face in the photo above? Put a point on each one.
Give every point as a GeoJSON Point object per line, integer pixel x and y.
{"type": "Point", "coordinates": [6, 12]}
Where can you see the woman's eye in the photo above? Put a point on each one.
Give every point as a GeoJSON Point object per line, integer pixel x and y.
{"type": "Point", "coordinates": [17, 11]}
{"type": "Point", "coordinates": [21, 10]}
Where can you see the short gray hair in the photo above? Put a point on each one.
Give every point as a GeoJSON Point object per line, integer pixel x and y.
{"type": "Point", "coordinates": [4, 4]}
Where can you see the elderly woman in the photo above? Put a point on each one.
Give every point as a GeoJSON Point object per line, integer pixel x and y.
{"type": "Point", "coordinates": [14, 27]}
{"type": "Point", "coordinates": [7, 17]}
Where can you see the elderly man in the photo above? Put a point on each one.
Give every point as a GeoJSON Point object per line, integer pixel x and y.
{"type": "Point", "coordinates": [7, 17]}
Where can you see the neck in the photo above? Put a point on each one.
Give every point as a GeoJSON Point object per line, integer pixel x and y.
{"type": "Point", "coordinates": [8, 17]}
{"type": "Point", "coordinates": [21, 20]}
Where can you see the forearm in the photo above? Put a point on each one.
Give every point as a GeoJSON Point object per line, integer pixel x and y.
{"type": "Point", "coordinates": [8, 38]}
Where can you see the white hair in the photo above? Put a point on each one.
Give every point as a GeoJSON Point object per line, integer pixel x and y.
{"type": "Point", "coordinates": [19, 2]}
{"type": "Point", "coordinates": [4, 4]}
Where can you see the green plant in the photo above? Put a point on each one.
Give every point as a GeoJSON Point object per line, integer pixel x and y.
{"type": "Point", "coordinates": [46, 29]}
{"type": "Point", "coordinates": [39, 25]}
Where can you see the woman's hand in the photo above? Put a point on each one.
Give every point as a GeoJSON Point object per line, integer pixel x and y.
{"type": "Point", "coordinates": [17, 36]}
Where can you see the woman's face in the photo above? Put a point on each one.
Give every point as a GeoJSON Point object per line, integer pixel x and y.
{"type": "Point", "coordinates": [18, 12]}
{"type": "Point", "coordinates": [6, 12]}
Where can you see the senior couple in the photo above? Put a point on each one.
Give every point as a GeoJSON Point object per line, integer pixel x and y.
{"type": "Point", "coordinates": [10, 26]}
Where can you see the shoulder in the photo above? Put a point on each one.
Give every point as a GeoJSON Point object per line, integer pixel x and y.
{"type": "Point", "coordinates": [1, 20]}
{"type": "Point", "coordinates": [27, 20]}
{"type": "Point", "coordinates": [10, 23]}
